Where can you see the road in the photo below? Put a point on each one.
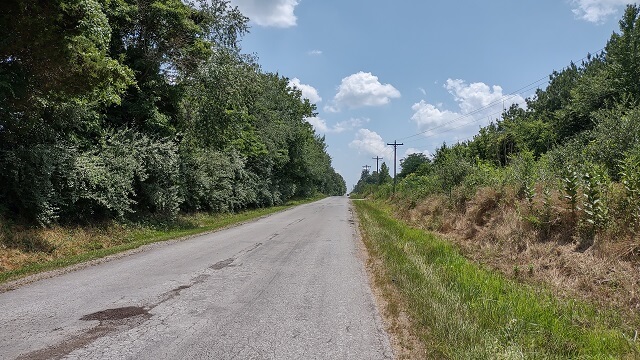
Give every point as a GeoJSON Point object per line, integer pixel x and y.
{"type": "Point", "coordinates": [288, 286]}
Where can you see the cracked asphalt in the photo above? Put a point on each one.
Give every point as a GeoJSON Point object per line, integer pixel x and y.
{"type": "Point", "coordinates": [288, 286]}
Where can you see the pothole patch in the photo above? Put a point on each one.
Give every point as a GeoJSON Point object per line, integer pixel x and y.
{"type": "Point", "coordinates": [222, 264]}
{"type": "Point", "coordinates": [116, 314]}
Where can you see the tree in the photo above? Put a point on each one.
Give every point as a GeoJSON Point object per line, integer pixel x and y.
{"type": "Point", "coordinates": [623, 62]}
{"type": "Point", "coordinates": [363, 182]}
{"type": "Point", "coordinates": [411, 163]}
{"type": "Point", "coordinates": [128, 108]}
{"type": "Point", "coordinates": [383, 176]}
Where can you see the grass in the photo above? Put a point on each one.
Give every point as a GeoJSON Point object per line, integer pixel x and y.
{"type": "Point", "coordinates": [464, 311]}
{"type": "Point", "coordinates": [27, 251]}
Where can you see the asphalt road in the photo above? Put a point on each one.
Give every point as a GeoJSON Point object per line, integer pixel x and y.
{"type": "Point", "coordinates": [288, 286]}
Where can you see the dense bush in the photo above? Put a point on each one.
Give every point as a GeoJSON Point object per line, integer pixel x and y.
{"type": "Point", "coordinates": [145, 110]}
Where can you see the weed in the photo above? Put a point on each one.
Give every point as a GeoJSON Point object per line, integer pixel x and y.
{"type": "Point", "coordinates": [630, 179]}
{"type": "Point", "coordinates": [593, 207]}
{"type": "Point", "coordinates": [571, 185]}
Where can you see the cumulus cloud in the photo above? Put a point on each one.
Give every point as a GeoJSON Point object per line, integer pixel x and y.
{"type": "Point", "coordinates": [320, 125]}
{"type": "Point", "coordinates": [475, 95]}
{"type": "Point", "coordinates": [308, 91]}
{"type": "Point", "coordinates": [370, 143]}
{"type": "Point", "coordinates": [349, 124]}
{"type": "Point", "coordinates": [428, 116]}
{"type": "Point", "coordinates": [476, 101]}
{"type": "Point", "coordinates": [362, 89]}
{"type": "Point", "coordinates": [597, 11]}
{"type": "Point", "coordinates": [276, 13]}
{"type": "Point", "coordinates": [315, 52]}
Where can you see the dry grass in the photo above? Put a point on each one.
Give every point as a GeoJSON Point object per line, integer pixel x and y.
{"type": "Point", "coordinates": [29, 250]}
{"type": "Point", "coordinates": [537, 243]}
{"type": "Point", "coordinates": [21, 246]}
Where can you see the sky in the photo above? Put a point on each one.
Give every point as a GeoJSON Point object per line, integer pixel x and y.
{"type": "Point", "coordinates": [418, 72]}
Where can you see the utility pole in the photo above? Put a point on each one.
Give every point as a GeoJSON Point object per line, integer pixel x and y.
{"type": "Point", "coordinates": [395, 150]}
{"type": "Point", "coordinates": [366, 167]}
{"type": "Point", "coordinates": [377, 158]}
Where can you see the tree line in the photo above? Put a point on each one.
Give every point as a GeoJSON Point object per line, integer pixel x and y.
{"type": "Point", "coordinates": [130, 108]}
{"type": "Point", "coordinates": [578, 139]}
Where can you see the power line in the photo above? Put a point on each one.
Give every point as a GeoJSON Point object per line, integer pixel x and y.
{"type": "Point", "coordinates": [473, 112]}
{"type": "Point", "coordinates": [495, 102]}
{"type": "Point", "coordinates": [457, 127]}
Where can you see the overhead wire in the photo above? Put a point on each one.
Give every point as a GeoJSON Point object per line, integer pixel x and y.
{"type": "Point", "coordinates": [480, 109]}
{"type": "Point", "coordinates": [504, 98]}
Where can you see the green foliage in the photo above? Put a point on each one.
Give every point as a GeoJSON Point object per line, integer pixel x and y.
{"type": "Point", "coordinates": [630, 179]}
{"type": "Point", "coordinates": [623, 70]}
{"type": "Point", "coordinates": [412, 163]}
{"type": "Point", "coordinates": [483, 174]}
{"type": "Point", "coordinates": [364, 184]}
{"type": "Point", "coordinates": [593, 206]}
{"type": "Point", "coordinates": [384, 177]}
{"type": "Point", "coordinates": [415, 187]}
{"type": "Point", "coordinates": [451, 166]}
{"type": "Point", "coordinates": [470, 312]}
{"type": "Point", "coordinates": [522, 172]}
{"type": "Point", "coordinates": [616, 133]}
{"type": "Point", "coordinates": [129, 109]}
{"type": "Point", "coordinates": [34, 178]}
{"type": "Point", "coordinates": [571, 184]}
{"type": "Point", "coordinates": [58, 48]}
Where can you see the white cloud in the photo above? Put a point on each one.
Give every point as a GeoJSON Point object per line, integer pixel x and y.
{"type": "Point", "coordinates": [315, 52]}
{"type": "Point", "coordinates": [349, 124]}
{"type": "Point", "coordinates": [597, 11]}
{"type": "Point", "coordinates": [422, 90]}
{"type": "Point", "coordinates": [320, 125]}
{"type": "Point", "coordinates": [276, 13]}
{"type": "Point", "coordinates": [474, 96]}
{"type": "Point", "coordinates": [429, 116]}
{"type": "Point", "coordinates": [371, 143]}
{"type": "Point", "coordinates": [308, 91]}
{"type": "Point", "coordinates": [476, 102]}
{"type": "Point", "coordinates": [362, 89]}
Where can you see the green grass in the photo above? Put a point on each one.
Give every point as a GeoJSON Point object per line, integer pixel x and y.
{"type": "Point", "coordinates": [131, 236]}
{"type": "Point", "coordinates": [470, 312]}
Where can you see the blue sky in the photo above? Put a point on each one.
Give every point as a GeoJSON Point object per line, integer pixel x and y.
{"type": "Point", "coordinates": [420, 72]}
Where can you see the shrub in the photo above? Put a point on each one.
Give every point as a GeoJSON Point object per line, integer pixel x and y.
{"type": "Point", "coordinates": [34, 180]}
{"type": "Point", "coordinates": [451, 170]}
{"type": "Point", "coordinates": [207, 178]}
{"type": "Point", "coordinates": [128, 172]}
{"type": "Point", "coordinates": [630, 179]}
{"type": "Point", "coordinates": [521, 172]}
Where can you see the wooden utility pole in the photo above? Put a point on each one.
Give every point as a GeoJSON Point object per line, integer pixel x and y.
{"type": "Point", "coordinates": [395, 150]}
{"type": "Point", "coordinates": [366, 167]}
{"type": "Point", "coordinates": [377, 158]}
